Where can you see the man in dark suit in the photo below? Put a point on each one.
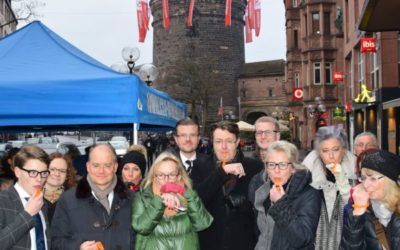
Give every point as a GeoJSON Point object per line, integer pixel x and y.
{"type": "Point", "coordinates": [23, 224]}
{"type": "Point", "coordinates": [222, 184]}
{"type": "Point", "coordinates": [187, 138]}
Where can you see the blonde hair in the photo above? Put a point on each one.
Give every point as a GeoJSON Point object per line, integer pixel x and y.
{"type": "Point", "coordinates": [391, 191]}
{"type": "Point", "coordinates": [138, 148]}
{"type": "Point", "coordinates": [163, 157]}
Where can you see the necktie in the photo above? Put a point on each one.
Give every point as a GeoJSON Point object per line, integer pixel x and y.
{"type": "Point", "coordinates": [40, 244]}
{"type": "Point", "coordinates": [190, 166]}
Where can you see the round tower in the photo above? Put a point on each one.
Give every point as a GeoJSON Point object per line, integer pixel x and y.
{"type": "Point", "coordinates": [200, 64]}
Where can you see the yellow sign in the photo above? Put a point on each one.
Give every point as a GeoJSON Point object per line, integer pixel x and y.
{"type": "Point", "coordinates": [365, 95]}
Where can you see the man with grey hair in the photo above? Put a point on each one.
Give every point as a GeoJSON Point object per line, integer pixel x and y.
{"type": "Point", "coordinates": [267, 132]}
{"type": "Point", "coordinates": [364, 141]}
{"type": "Point", "coordinates": [98, 210]}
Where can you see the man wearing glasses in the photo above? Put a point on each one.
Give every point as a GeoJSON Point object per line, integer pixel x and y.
{"type": "Point", "coordinates": [23, 223]}
{"type": "Point", "coordinates": [222, 185]}
{"type": "Point", "coordinates": [98, 211]}
{"type": "Point", "coordinates": [187, 139]}
{"type": "Point", "coordinates": [267, 132]}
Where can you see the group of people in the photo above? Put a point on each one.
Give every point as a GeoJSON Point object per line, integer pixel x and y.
{"type": "Point", "coordinates": [334, 199]}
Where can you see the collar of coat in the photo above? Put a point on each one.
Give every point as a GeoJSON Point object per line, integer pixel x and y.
{"type": "Point", "coordinates": [314, 163]}
{"type": "Point", "coordinates": [83, 189]}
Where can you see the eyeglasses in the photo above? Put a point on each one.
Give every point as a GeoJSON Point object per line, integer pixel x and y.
{"type": "Point", "coordinates": [162, 176]}
{"type": "Point", "coordinates": [372, 179]}
{"type": "Point", "coordinates": [190, 136]}
{"type": "Point", "coordinates": [266, 132]}
{"type": "Point", "coordinates": [60, 171]}
{"type": "Point", "coordinates": [220, 142]}
{"type": "Point", "coordinates": [280, 165]}
{"type": "Point", "coordinates": [34, 173]}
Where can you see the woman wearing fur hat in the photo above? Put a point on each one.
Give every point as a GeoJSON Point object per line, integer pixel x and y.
{"type": "Point", "coordinates": [132, 169]}
{"type": "Point", "coordinates": [167, 213]}
{"type": "Point", "coordinates": [333, 172]}
{"type": "Point", "coordinates": [374, 219]}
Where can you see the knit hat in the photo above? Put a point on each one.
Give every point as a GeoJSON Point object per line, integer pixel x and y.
{"type": "Point", "coordinates": [383, 162]}
{"type": "Point", "coordinates": [133, 157]}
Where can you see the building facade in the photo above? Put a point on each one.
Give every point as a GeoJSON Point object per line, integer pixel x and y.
{"type": "Point", "coordinates": [314, 51]}
{"type": "Point", "coordinates": [8, 22]}
{"type": "Point", "coordinates": [262, 90]}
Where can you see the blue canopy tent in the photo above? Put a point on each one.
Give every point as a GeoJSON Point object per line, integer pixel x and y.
{"type": "Point", "coordinates": [47, 83]}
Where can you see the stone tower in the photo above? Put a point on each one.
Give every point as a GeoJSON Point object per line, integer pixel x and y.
{"type": "Point", "coordinates": [201, 64]}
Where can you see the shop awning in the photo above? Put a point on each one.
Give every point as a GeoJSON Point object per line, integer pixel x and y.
{"type": "Point", "coordinates": [380, 15]}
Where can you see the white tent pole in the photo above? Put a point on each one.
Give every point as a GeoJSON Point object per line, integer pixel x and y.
{"type": "Point", "coordinates": [135, 133]}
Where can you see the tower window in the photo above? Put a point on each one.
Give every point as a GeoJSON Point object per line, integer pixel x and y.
{"type": "Point", "coordinates": [315, 23]}
{"type": "Point", "coordinates": [317, 73]}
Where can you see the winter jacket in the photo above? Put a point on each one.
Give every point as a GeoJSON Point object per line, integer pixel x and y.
{"type": "Point", "coordinates": [80, 217]}
{"type": "Point", "coordinates": [359, 233]}
{"type": "Point", "coordinates": [234, 223]}
{"type": "Point", "coordinates": [334, 197]}
{"type": "Point", "coordinates": [154, 231]}
{"type": "Point", "coordinates": [295, 215]}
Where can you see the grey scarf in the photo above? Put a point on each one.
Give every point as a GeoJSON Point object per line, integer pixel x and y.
{"type": "Point", "coordinates": [265, 222]}
{"type": "Point", "coordinates": [102, 195]}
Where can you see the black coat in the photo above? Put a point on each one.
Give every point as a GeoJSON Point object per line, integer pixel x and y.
{"type": "Point", "coordinates": [233, 216]}
{"type": "Point", "coordinates": [80, 217]}
{"type": "Point", "coordinates": [359, 232]}
{"type": "Point", "coordinates": [296, 214]}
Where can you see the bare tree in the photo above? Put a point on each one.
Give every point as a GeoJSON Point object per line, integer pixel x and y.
{"type": "Point", "coordinates": [25, 11]}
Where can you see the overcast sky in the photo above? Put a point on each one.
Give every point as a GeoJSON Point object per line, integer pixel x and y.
{"type": "Point", "coordinates": [101, 28]}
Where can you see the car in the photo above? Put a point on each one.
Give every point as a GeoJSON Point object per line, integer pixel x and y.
{"type": "Point", "coordinates": [120, 147]}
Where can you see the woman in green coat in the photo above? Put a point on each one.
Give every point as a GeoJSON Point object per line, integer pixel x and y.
{"type": "Point", "coordinates": [167, 213]}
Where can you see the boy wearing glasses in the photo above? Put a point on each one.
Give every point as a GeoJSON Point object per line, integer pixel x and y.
{"type": "Point", "coordinates": [23, 224]}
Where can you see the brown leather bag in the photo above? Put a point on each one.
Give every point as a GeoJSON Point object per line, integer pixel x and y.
{"type": "Point", "coordinates": [380, 234]}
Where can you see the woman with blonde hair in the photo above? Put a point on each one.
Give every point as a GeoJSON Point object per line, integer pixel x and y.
{"type": "Point", "coordinates": [167, 213]}
{"type": "Point", "coordinates": [374, 218]}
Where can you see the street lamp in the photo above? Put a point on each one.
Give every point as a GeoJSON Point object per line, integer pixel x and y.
{"type": "Point", "coordinates": [316, 110]}
{"type": "Point", "coordinates": [130, 55]}
{"type": "Point", "coordinates": [148, 73]}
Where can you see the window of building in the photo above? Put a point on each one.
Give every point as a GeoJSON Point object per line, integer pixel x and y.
{"type": "Point", "coordinates": [305, 24]}
{"type": "Point", "coordinates": [328, 73]}
{"type": "Point", "coordinates": [294, 3]}
{"type": "Point", "coordinates": [296, 80]}
{"type": "Point", "coordinates": [360, 68]}
{"type": "Point", "coordinates": [317, 73]}
{"type": "Point", "coordinates": [374, 57]}
{"type": "Point", "coordinates": [308, 75]}
{"type": "Point", "coordinates": [270, 92]}
{"type": "Point", "coordinates": [327, 23]}
{"type": "Point", "coordinates": [315, 23]}
{"type": "Point", "coordinates": [296, 39]}
{"type": "Point", "coordinates": [398, 47]}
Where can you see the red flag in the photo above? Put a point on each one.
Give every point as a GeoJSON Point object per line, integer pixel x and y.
{"type": "Point", "coordinates": [257, 16]}
{"type": "Point", "coordinates": [140, 19]}
{"type": "Point", "coordinates": [228, 12]}
{"type": "Point", "coordinates": [297, 94]}
{"type": "Point", "coordinates": [190, 14]}
{"type": "Point", "coordinates": [250, 6]}
{"type": "Point", "coordinates": [146, 14]}
{"type": "Point", "coordinates": [249, 35]}
{"type": "Point", "coordinates": [165, 14]}
{"type": "Point", "coordinates": [221, 107]}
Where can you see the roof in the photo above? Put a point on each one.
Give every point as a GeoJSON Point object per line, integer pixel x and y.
{"type": "Point", "coordinates": [46, 81]}
{"type": "Point", "coordinates": [380, 15]}
{"type": "Point", "coordinates": [265, 68]}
